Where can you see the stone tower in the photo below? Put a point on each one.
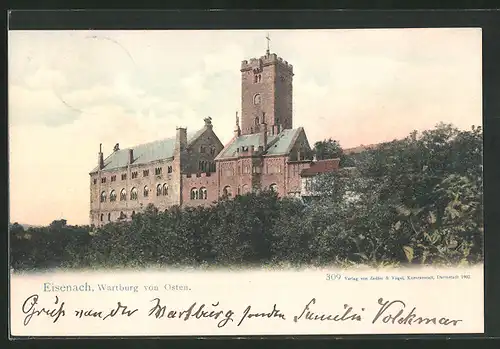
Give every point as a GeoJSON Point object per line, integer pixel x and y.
{"type": "Point", "coordinates": [266, 92]}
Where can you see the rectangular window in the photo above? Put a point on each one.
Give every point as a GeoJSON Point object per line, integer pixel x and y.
{"type": "Point", "coordinates": [202, 149]}
{"type": "Point", "coordinates": [246, 169]}
{"type": "Point", "coordinates": [113, 178]}
{"type": "Point", "coordinates": [145, 173]}
{"type": "Point", "coordinates": [103, 180]}
{"type": "Point", "coordinates": [169, 169]}
{"type": "Point", "coordinates": [273, 169]}
{"type": "Point", "coordinates": [124, 176]}
{"type": "Point", "coordinates": [134, 174]}
{"type": "Point", "coordinates": [158, 171]}
{"type": "Point", "coordinates": [95, 180]}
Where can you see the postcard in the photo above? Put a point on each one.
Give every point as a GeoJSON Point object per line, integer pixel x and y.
{"type": "Point", "coordinates": [245, 182]}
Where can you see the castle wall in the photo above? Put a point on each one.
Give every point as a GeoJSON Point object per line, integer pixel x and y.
{"type": "Point", "coordinates": [274, 173]}
{"type": "Point", "coordinates": [197, 181]}
{"type": "Point", "coordinates": [294, 181]}
{"type": "Point", "coordinates": [128, 206]}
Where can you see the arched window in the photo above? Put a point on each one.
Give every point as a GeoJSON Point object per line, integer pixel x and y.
{"type": "Point", "coordinates": [123, 195]}
{"type": "Point", "coordinates": [133, 214]}
{"type": "Point", "coordinates": [109, 217]}
{"type": "Point", "coordinates": [256, 99]}
{"type": "Point", "coordinates": [122, 215]}
{"type": "Point", "coordinates": [146, 191]}
{"type": "Point", "coordinates": [133, 194]}
{"type": "Point", "coordinates": [244, 189]}
{"type": "Point", "coordinates": [102, 217]}
{"type": "Point", "coordinates": [203, 194]}
{"type": "Point", "coordinates": [103, 196]}
{"type": "Point", "coordinates": [158, 190]}
{"type": "Point", "coordinates": [112, 195]}
{"type": "Point", "coordinates": [259, 78]}
{"type": "Point", "coordinates": [227, 191]}
{"type": "Point", "coordinates": [165, 189]}
{"type": "Point", "coordinates": [194, 194]}
{"type": "Point", "coordinates": [273, 187]}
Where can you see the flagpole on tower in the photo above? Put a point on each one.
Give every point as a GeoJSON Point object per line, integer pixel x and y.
{"type": "Point", "coordinates": [268, 40]}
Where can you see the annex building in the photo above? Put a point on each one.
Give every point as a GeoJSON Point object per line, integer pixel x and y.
{"type": "Point", "coordinates": [191, 169]}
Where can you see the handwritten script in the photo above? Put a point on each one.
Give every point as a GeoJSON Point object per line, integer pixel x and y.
{"type": "Point", "coordinates": [391, 312]}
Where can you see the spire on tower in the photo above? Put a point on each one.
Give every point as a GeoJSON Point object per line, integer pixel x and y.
{"type": "Point", "coordinates": [237, 130]}
{"type": "Point", "coordinates": [268, 41]}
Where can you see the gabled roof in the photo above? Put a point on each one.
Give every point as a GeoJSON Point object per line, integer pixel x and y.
{"type": "Point", "coordinates": [147, 152]}
{"type": "Point", "coordinates": [279, 144]}
{"type": "Point", "coordinates": [321, 166]}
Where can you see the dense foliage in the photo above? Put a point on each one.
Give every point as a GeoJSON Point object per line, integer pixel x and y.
{"type": "Point", "coordinates": [331, 149]}
{"type": "Point", "coordinates": [417, 200]}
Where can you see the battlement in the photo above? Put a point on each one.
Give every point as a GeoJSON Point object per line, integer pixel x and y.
{"type": "Point", "coordinates": [270, 59]}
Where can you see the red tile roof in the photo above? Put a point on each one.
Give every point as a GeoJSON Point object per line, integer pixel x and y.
{"type": "Point", "coordinates": [321, 166]}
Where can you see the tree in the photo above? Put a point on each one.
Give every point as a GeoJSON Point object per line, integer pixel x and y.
{"type": "Point", "coordinates": [331, 149]}
{"type": "Point", "coordinates": [420, 198]}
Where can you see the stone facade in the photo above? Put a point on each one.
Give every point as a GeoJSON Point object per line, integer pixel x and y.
{"type": "Point", "coordinates": [266, 153]}
{"type": "Point", "coordinates": [266, 89]}
{"type": "Point", "coordinates": [118, 193]}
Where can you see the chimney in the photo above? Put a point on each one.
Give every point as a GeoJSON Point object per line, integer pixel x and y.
{"type": "Point", "coordinates": [181, 139]}
{"type": "Point", "coordinates": [263, 131]}
{"type": "Point", "coordinates": [130, 156]}
{"type": "Point", "coordinates": [100, 160]}
{"type": "Point", "coordinates": [208, 122]}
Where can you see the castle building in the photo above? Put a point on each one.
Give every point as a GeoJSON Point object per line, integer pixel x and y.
{"type": "Point", "coordinates": [265, 153]}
